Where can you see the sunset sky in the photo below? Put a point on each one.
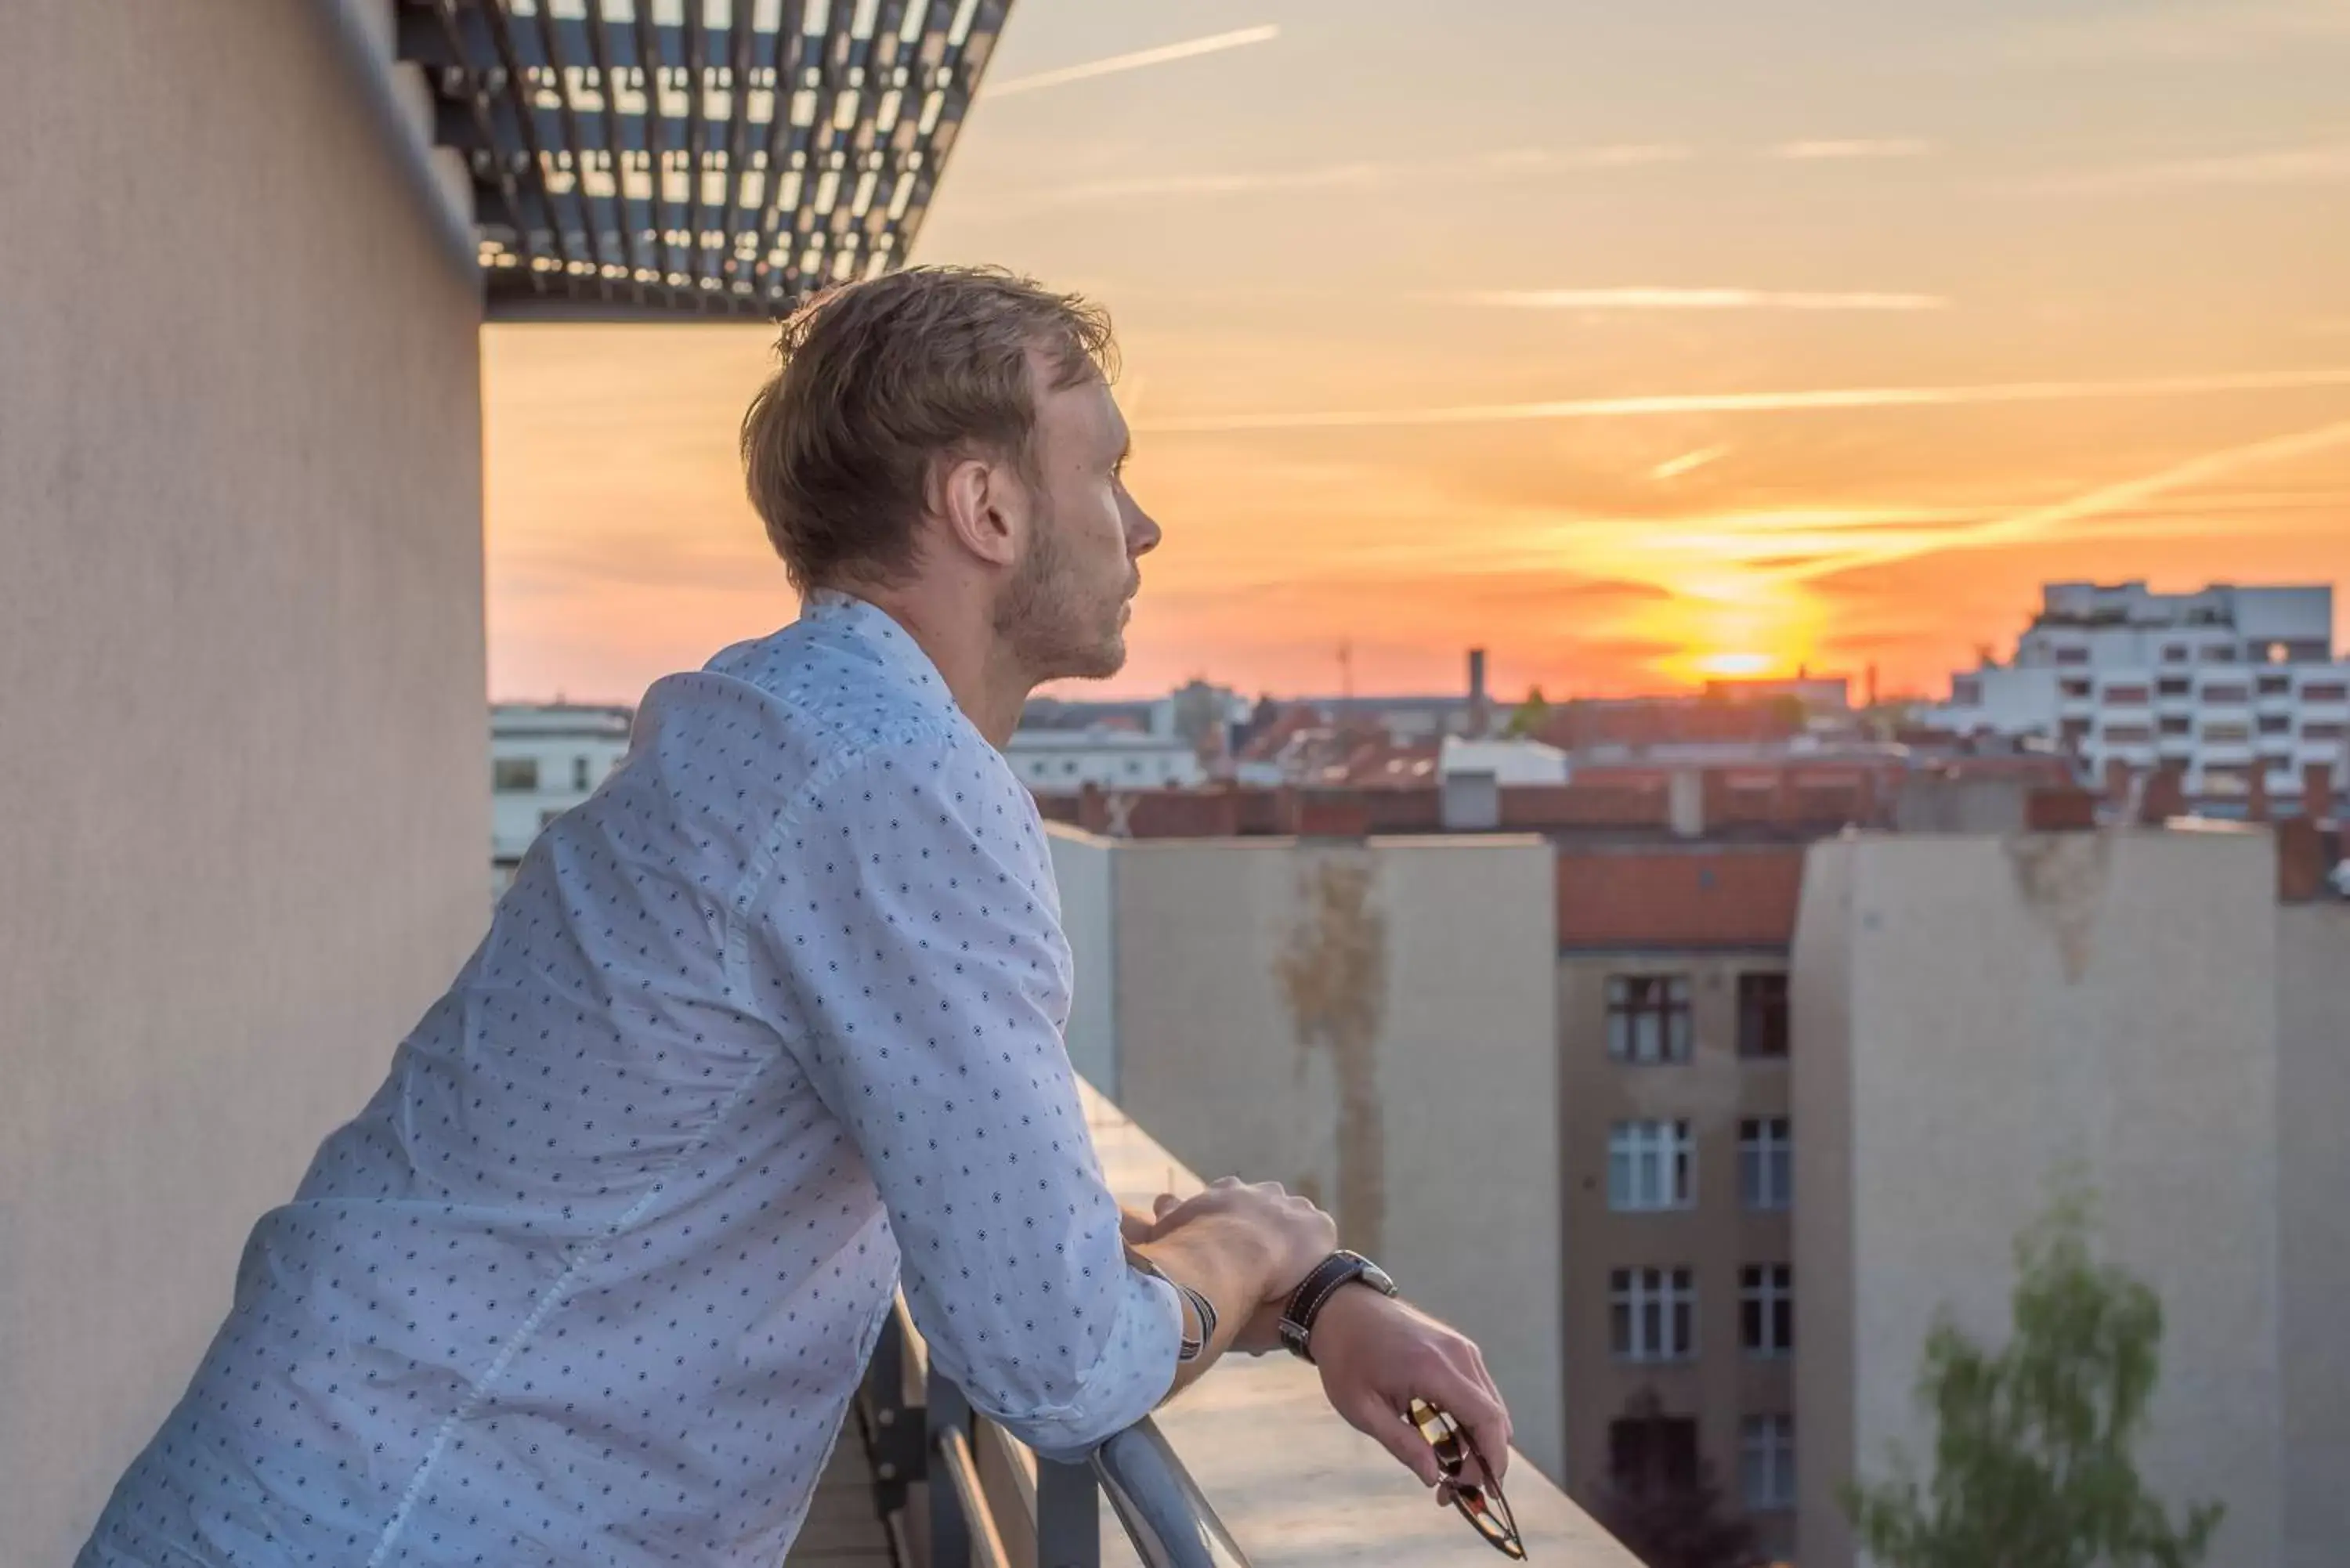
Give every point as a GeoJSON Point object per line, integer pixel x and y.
{"type": "Point", "coordinates": [1633, 343]}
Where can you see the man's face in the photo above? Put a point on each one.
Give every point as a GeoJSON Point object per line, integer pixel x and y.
{"type": "Point", "coordinates": [1065, 608]}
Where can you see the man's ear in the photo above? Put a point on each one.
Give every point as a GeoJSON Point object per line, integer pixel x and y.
{"type": "Point", "coordinates": [982, 505]}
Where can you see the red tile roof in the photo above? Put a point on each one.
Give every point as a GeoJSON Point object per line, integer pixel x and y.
{"type": "Point", "coordinates": [1672, 897]}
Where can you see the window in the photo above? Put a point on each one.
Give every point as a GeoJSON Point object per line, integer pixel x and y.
{"type": "Point", "coordinates": [2326, 691]}
{"type": "Point", "coordinates": [2276, 724]}
{"type": "Point", "coordinates": [1652, 1454]}
{"type": "Point", "coordinates": [1650, 1165]}
{"type": "Point", "coordinates": [1649, 1017]}
{"type": "Point", "coordinates": [2174, 653]}
{"type": "Point", "coordinates": [2074, 731]}
{"type": "Point", "coordinates": [2075, 687]}
{"type": "Point", "coordinates": [2227, 781]}
{"type": "Point", "coordinates": [1652, 1313]}
{"type": "Point", "coordinates": [1766, 1163]}
{"type": "Point", "coordinates": [1762, 1016]}
{"type": "Point", "coordinates": [2177, 724]}
{"type": "Point", "coordinates": [579, 767]}
{"type": "Point", "coordinates": [1767, 1309]}
{"type": "Point", "coordinates": [2231, 732]}
{"type": "Point", "coordinates": [1070, 767]}
{"type": "Point", "coordinates": [1766, 1462]}
{"type": "Point", "coordinates": [2278, 653]}
{"type": "Point", "coordinates": [1966, 692]}
{"type": "Point", "coordinates": [2174, 686]}
{"type": "Point", "coordinates": [1132, 767]}
{"type": "Point", "coordinates": [514, 776]}
{"type": "Point", "coordinates": [2126, 696]}
{"type": "Point", "coordinates": [2276, 685]}
{"type": "Point", "coordinates": [546, 819]}
{"type": "Point", "coordinates": [2220, 653]}
{"type": "Point", "coordinates": [2230, 692]}
{"type": "Point", "coordinates": [2070, 656]}
{"type": "Point", "coordinates": [2321, 732]}
{"type": "Point", "coordinates": [2127, 735]}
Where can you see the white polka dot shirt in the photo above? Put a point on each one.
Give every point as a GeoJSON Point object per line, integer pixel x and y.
{"type": "Point", "coordinates": [769, 1026]}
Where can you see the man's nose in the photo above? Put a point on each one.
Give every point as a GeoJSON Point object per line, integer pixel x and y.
{"type": "Point", "coordinates": [1142, 533]}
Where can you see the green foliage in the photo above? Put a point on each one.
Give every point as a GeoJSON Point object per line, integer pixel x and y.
{"type": "Point", "coordinates": [1529, 716]}
{"type": "Point", "coordinates": [2033, 1463]}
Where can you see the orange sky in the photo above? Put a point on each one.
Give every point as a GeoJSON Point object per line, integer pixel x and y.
{"type": "Point", "coordinates": [1627, 346]}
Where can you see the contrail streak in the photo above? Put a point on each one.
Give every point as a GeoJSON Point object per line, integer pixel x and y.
{"type": "Point", "coordinates": [1165, 54]}
{"type": "Point", "coordinates": [2112, 497]}
{"type": "Point", "coordinates": [1757, 402]}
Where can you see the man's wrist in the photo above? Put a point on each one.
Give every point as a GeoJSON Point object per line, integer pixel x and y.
{"type": "Point", "coordinates": [1323, 1284]}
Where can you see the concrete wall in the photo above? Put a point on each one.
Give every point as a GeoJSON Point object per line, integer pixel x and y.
{"type": "Point", "coordinates": [1713, 1092]}
{"type": "Point", "coordinates": [241, 725]}
{"type": "Point", "coordinates": [1819, 1002]}
{"type": "Point", "coordinates": [2015, 1006]}
{"type": "Point", "coordinates": [2313, 1096]}
{"type": "Point", "coordinates": [1374, 1023]}
{"type": "Point", "coordinates": [1085, 867]}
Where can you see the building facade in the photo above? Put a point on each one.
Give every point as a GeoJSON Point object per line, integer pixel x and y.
{"type": "Point", "coordinates": [2238, 687]}
{"type": "Point", "coordinates": [1678, 1163]}
{"type": "Point", "coordinates": [1067, 761]}
{"type": "Point", "coordinates": [545, 759]}
{"type": "Point", "coordinates": [1980, 1018]}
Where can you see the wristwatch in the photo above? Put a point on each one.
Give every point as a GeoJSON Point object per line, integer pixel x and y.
{"type": "Point", "coordinates": [1331, 1275]}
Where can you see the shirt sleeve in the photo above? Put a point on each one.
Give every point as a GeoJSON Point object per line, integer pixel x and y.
{"type": "Point", "coordinates": [907, 944]}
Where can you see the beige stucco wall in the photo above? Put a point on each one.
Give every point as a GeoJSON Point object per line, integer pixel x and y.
{"type": "Point", "coordinates": [2017, 1005]}
{"type": "Point", "coordinates": [1819, 1001]}
{"type": "Point", "coordinates": [1084, 865]}
{"type": "Point", "coordinates": [1423, 1109]}
{"type": "Point", "coordinates": [243, 786]}
{"type": "Point", "coordinates": [2313, 1096]}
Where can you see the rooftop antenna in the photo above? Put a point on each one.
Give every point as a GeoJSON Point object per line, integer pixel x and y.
{"type": "Point", "coordinates": [1347, 670]}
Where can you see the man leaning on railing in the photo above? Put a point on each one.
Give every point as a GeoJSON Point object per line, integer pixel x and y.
{"type": "Point", "coordinates": [768, 1025]}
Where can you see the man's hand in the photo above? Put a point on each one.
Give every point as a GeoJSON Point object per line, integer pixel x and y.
{"type": "Point", "coordinates": [1296, 1235]}
{"type": "Point", "coordinates": [1378, 1355]}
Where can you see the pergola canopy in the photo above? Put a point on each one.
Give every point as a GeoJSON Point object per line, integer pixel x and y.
{"type": "Point", "coordinates": [649, 158]}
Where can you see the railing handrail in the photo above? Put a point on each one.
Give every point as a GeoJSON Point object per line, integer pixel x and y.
{"type": "Point", "coordinates": [1162, 1509]}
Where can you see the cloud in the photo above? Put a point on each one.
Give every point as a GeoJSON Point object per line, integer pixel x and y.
{"type": "Point", "coordinates": [1654, 297]}
{"type": "Point", "coordinates": [2204, 30]}
{"type": "Point", "coordinates": [2039, 521]}
{"type": "Point", "coordinates": [1363, 174]}
{"type": "Point", "coordinates": [1757, 402]}
{"type": "Point", "coordinates": [1688, 462]}
{"type": "Point", "coordinates": [1165, 53]}
{"type": "Point", "coordinates": [2313, 164]}
{"type": "Point", "coordinates": [1869, 147]}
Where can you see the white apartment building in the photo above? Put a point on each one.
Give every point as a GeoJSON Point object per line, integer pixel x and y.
{"type": "Point", "coordinates": [1063, 762]}
{"type": "Point", "coordinates": [2232, 683]}
{"type": "Point", "coordinates": [545, 759]}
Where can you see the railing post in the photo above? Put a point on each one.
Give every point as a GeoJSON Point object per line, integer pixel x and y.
{"type": "Point", "coordinates": [945, 1410]}
{"type": "Point", "coordinates": [1068, 1516]}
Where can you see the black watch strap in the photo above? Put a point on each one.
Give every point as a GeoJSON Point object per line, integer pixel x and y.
{"type": "Point", "coordinates": [1328, 1277]}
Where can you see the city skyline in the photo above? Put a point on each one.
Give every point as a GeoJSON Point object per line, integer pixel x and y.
{"type": "Point", "coordinates": [1636, 349]}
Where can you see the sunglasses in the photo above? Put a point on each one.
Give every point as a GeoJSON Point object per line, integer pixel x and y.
{"type": "Point", "coordinates": [1487, 1512]}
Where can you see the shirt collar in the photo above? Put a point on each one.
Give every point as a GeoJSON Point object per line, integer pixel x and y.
{"type": "Point", "coordinates": [877, 632]}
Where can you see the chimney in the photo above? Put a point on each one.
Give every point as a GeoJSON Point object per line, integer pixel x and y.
{"type": "Point", "coordinates": [1685, 803]}
{"type": "Point", "coordinates": [2300, 860]}
{"type": "Point", "coordinates": [1477, 675]}
{"type": "Point", "coordinates": [2317, 791]}
{"type": "Point", "coordinates": [2166, 794]}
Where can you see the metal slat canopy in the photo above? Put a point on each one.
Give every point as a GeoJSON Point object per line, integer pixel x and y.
{"type": "Point", "coordinates": [648, 158]}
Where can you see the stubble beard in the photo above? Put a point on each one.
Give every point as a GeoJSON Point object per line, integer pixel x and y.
{"type": "Point", "coordinates": [1045, 617]}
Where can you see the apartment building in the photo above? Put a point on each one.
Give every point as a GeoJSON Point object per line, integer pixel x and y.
{"type": "Point", "coordinates": [545, 759]}
{"type": "Point", "coordinates": [1677, 1155]}
{"type": "Point", "coordinates": [2238, 687]}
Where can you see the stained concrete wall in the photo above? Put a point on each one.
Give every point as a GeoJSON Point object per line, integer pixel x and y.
{"type": "Point", "coordinates": [1087, 871]}
{"type": "Point", "coordinates": [2014, 1006]}
{"type": "Point", "coordinates": [1373, 1023]}
{"type": "Point", "coordinates": [243, 771]}
{"type": "Point", "coordinates": [2312, 1099]}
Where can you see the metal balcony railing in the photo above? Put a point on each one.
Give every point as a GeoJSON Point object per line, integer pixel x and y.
{"type": "Point", "coordinates": [993, 1503]}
